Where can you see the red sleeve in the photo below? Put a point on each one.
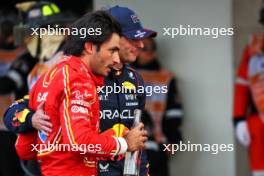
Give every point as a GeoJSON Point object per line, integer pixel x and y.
{"type": "Point", "coordinates": [241, 90]}
{"type": "Point", "coordinates": [25, 144]}
{"type": "Point", "coordinates": [79, 116]}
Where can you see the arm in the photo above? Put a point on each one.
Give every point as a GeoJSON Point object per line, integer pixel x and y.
{"type": "Point", "coordinates": [18, 117]}
{"type": "Point", "coordinates": [25, 146]}
{"type": "Point", "coordinates": [241, 100]}
{"type": "Point", "coordinates": [241, 89]}
{"type": "Point", "coordinates": [27, 135]}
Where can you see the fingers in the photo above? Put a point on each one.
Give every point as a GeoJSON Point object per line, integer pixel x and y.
{"type": "Point", "coordinates": [142, 142]}
{"type": "Point", "coordinates": [125, 132]}
{"type": "Point", "coordinates": [46, 124]}
{"type": "Point", "coordinates": [40, 116]}
{"type": "Point", "coordinates": [46, 129]}
{"type": "Point", "coordinates": [43, 117]}
{"type": "Point", "coordinates": [144, 133]}
{"type": "Point", "coordinates": [140, 126]}
{"type": "Point", "coordinates": [45, 132]}
{"type": "Point", "coordinates": [142, 145]}
{"type": "Point", "coordinates": [41, 122]}
{"type": "Point", "coordinates": [144, 138]}
{"type": "Point", "coordinates": [41, 105]}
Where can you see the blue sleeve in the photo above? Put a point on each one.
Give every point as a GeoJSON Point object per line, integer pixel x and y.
{"type": "Point", "coordinates": [18, 116]}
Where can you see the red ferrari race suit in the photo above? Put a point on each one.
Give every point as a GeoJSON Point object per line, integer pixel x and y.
{"type": "Point", "coordinates": [71, 101]}
{"type": "Point", "coordinates": [249, 99]}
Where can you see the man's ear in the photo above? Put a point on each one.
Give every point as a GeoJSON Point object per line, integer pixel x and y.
{"type": "Point", "coordinates": [89, 47]}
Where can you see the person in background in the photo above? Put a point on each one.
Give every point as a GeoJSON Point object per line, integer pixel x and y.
{"type": "Point", "coordinates": [9, 162]}
{"type": "Point", "coordinates": [34, 56]}
{"type": "Point", "coordinates": [163, 111]}
{"type": "Point", "coordinates": [8, 53]}
{"type": "Point", "coordinates": [248, 107]}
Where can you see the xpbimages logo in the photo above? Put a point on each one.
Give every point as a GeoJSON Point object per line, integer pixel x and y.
{"type": "Point", "coordinates": [189, 147]}
{"type": "Point", "coordinates": [189, 30]}
{"type": "Point", "coordinates": [56, 30]}
{"type": "Point", "coordinates": [82, 148]}
{"type": "Point", "coordinates": [128, 87]}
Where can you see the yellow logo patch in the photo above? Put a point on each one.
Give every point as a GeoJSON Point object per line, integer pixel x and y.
{"type": "Point", "coordinates": [129, 85]}
{"type": "Point", "coordinates": [119, 129]}
{"type": "Point", "coordinates": [21, 116]}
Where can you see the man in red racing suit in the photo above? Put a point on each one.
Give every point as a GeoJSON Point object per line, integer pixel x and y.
{"type": "Point", "coordinates": [68, 95]}
{"type": "Point", "coordinates": [75, 96]}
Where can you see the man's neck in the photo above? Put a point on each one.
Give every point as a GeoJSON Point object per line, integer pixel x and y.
{"type": "Point", "coordinates": [85, 60]}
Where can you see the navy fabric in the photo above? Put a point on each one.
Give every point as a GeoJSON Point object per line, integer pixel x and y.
{"type": "Point", "coordinates": [130, 23]}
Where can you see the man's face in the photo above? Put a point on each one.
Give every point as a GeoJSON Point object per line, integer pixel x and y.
{"type": "Point", "coordinates": [148, 52]}
{"type": "Point", "coordinates": [106, 57]}
{"type": "Point", "coordinates": [129, 49]}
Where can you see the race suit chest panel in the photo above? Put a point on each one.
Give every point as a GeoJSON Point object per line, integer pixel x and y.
{"type": "Point", "coordinates": [117, 103]}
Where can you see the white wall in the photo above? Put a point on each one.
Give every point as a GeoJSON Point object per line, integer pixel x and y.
{"type": "Point", "coordinates": [204, 69]}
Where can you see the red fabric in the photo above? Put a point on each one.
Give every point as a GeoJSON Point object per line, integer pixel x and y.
{"type": "Point", "coordinates": [71, 101]}
{"type": "Point", "coordinates": [256, 148]}
{"type": "Point", "coordinates": [243, 92]}
{"type": "Point", "coordinates": [24, 147]}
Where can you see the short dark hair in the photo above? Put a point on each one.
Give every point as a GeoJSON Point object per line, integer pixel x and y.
{"type": "Point", "coordinates": [74, 44]}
